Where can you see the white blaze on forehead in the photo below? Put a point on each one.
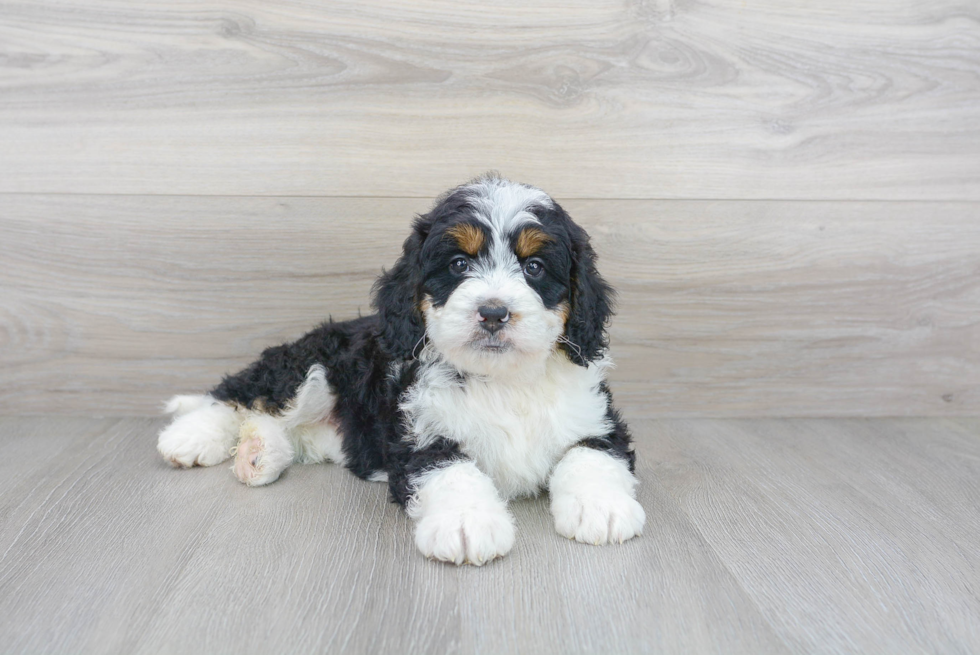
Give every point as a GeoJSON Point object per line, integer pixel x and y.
{"type": "Point", "coordinates": [504, 207]}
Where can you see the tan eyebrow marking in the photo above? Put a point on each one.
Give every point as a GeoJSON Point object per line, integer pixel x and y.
{"type": "Point", "coordinates": [469, 237]}
{"type": "Point", "coordinates": [530, 241]}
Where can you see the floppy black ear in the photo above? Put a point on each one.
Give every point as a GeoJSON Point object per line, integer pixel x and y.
{"type": "Point", "coordinates": [397, 298]}
{"type": "Point", "coordinates": [591, 303]}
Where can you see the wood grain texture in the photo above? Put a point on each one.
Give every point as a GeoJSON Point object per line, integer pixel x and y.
{"type": "Point", "coordinates": [763, 536]}
{"type": "Point", "coordinates": [605, 99]}
{"type": "Point", "coordinates": [110, 304]}
{"type": "Point", "coordinates": [845, 533]}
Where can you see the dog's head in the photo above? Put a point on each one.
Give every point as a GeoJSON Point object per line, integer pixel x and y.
{"type": "Point", "coordinates": [497, 275]}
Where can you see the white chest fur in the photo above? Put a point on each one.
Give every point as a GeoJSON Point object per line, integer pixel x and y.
{"type": "Point", "coordinates": [515, 429]}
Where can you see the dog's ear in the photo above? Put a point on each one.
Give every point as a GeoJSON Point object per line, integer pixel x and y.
{"type": "Point", "coordinates": [397, 298]}
{"type": "Point", "coordinates": [590, 302]}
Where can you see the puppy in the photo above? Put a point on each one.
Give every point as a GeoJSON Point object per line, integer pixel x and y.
{"type": "Point", "coordinates": [482, 377]}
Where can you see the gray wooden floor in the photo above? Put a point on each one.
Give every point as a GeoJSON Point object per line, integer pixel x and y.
{"type": "Point", "coordinates": [763, 536]}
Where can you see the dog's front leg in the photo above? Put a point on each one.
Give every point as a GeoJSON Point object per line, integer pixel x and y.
{"type": "Point", "coordinates": [459, 515]}
{"type": "Point", "coordinates": [593, 498]}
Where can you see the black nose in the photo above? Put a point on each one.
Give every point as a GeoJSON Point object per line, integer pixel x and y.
{"type": "Point", "coordinates": [493, 318]}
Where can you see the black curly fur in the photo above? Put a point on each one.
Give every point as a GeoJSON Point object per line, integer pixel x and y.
{"type": "Point", "coordinates": [407, 463]}
{"type": "Point", "coordinates": [591, 301]}
{"type": "Point", "coordinates": [366, 410]}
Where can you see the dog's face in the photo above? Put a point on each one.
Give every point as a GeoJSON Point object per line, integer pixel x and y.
{"type": "Point", "coordinates": [495, 277]}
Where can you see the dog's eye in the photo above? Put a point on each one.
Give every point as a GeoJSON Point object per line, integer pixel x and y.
{"type": "Point", "coordinates": [533, 268]}
{"type": "Point", "coordinates": [459, 265]}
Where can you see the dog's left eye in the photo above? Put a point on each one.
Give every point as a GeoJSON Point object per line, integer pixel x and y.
{"type": "Point", "coordinates": [459, 265]}
{"type": "Point", "coordinates": [533, 268]}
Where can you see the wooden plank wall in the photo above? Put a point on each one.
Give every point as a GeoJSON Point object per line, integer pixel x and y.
{"type": "Point", "coordinates": [786, 194]}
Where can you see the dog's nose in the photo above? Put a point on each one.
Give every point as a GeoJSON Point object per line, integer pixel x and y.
{"type": "Point", "coordinates": [493, 318]}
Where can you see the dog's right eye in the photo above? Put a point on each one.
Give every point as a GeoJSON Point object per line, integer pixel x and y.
{"type": "Point", "coordinates": [459, 265]}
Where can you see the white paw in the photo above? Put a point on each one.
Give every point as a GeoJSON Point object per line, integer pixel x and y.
{"type": "Point", "coordinates": [598, 519]}
{"type": "Point", "coordinates": [263, 451]}
{"type": "Point", "coordinates": [203, 436]}
{"type": "Point", "coordinates": [474, 537]}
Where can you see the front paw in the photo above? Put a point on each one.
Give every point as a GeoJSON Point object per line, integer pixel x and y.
{"type": "Point", "coordinates": [597, 519]}
{"type": "Point", "coordinates": [473, 537]}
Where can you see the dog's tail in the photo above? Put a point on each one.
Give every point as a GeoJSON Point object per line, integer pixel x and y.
{"type": "Point", "coordinates": [180, 405]}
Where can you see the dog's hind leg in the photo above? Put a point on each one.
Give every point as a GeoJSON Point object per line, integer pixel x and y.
{"type": "Point", "coordinates": [304, 432]}
{"type": "Point", "coordinates": [309, 420]}
{"type": "Point", "coordinates": [202, 433]}
{"type": "Point", "coordinates": [264, 451]}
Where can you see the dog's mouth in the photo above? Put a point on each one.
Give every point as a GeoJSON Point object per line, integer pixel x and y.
{"type": "Point", "coordinates": [491, 344]}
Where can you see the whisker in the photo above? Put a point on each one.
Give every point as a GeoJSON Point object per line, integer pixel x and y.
{"type": "Point", "coordinates": [414, 348]}
{"type": "Point", "coordinates": [566, 340]}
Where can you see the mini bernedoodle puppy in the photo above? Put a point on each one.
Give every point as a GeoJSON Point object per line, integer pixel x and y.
{"type": "Point", "coordinates": [481, 378]}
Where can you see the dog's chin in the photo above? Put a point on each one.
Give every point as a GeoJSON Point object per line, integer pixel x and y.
{"type": "Point", "coordinates": [494, 356]}
{"type": "Point", "coordinates": [491, 346]}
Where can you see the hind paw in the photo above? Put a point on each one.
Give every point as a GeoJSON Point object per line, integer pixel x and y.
{"type": "Point", "coordinates": [263, 451]}
{"type": "Point", "coordinates": [201, 437]}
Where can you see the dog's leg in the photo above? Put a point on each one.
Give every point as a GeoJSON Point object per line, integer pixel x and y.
{"type": "Point", "coordinates": [304, 432]}
{"type": "Point", "coordinates": [593, 498]}
{"type": "Point", "coordinates": [459, 515]}
{"type": "Point", "coordinates": [202, 433]}
{"type": "Point", "coordinates": [317, 442]}
{"type": "Point", "coordinates": [267, 445]}
{"type": "Point", "coordinates": [264, 450]}
{"type": "Point", "coordinates": [310, 423]}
